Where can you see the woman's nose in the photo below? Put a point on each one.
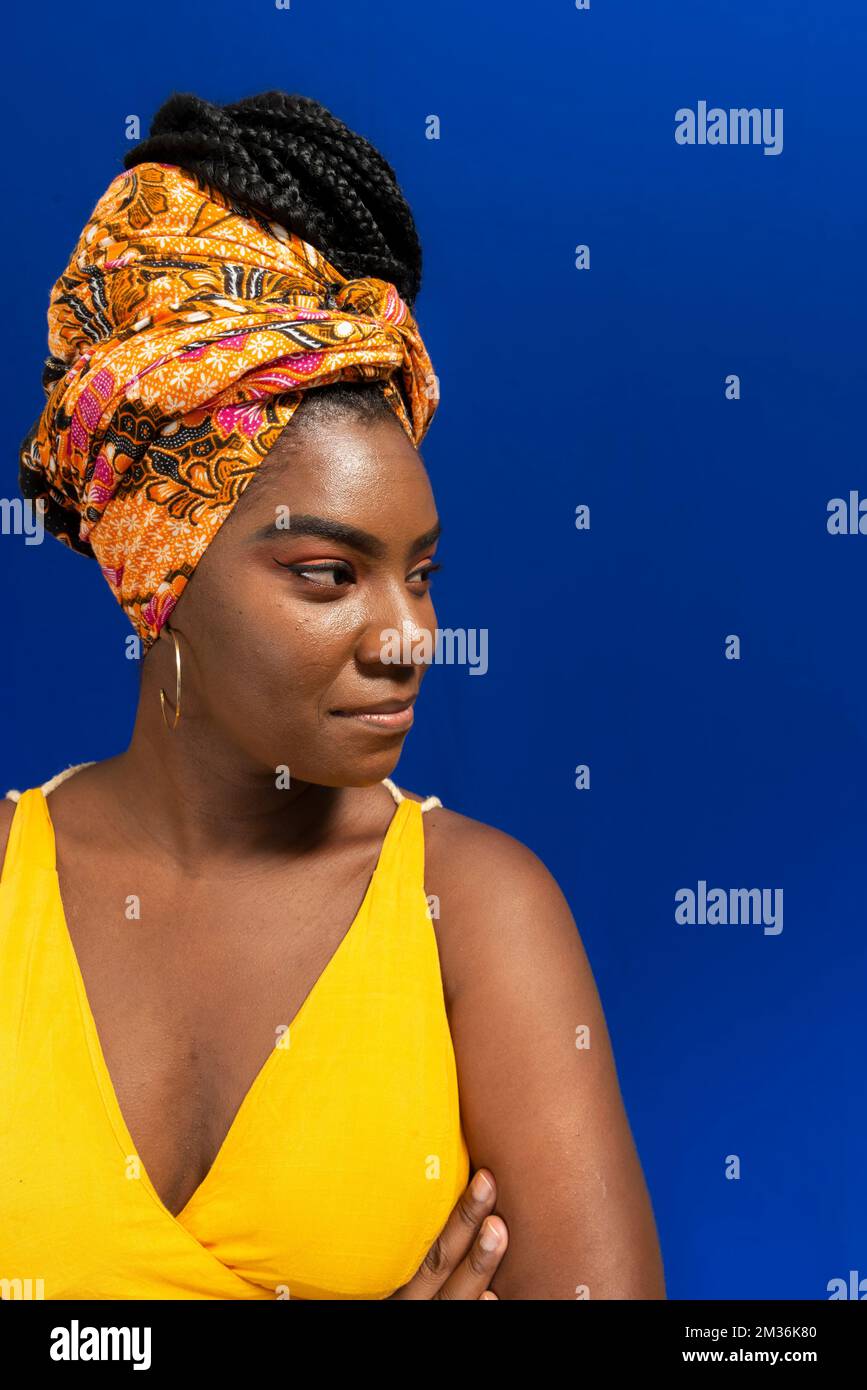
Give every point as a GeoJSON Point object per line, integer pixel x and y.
{"type": "Point", "coordinates": [395, 636]}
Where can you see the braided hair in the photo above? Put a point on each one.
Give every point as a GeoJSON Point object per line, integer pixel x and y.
{"type": "Point", "coordinates": [290, 159]}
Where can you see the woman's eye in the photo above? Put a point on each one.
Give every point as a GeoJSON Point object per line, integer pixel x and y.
{"type": "Point", "coordinates": [335, 569]}
{"type": "Point", "coordinates": [342, 574]}
{"type": "Point", "coordinates": [424, 574]}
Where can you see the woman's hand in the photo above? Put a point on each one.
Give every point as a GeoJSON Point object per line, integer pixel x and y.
{"type": "Point", "coordinates": [458, 1266]}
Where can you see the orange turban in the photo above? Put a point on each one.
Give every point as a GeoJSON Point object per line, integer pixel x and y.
{"type": "Point", "coordinates": [184, 331]}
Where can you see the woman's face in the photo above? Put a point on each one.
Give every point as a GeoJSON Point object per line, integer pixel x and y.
{"type": "Point", "coordinates": [281, 629]}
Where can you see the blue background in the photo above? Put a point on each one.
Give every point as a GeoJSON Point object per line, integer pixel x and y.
{"type": "Point", "coordinates": [708, 517]}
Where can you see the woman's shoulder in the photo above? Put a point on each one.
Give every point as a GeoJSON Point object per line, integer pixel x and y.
{"type": "Point", "coordinates": [9, 801]}
{"type": "Point", "coordinates": [7, 813]}
{"type": "Point", "coordinates": [500, 917]}
{"type": "Point", "coordinates": [479, 865]}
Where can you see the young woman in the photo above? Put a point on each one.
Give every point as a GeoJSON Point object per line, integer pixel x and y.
{"type": "Point", "coordinates": [262, 1011]}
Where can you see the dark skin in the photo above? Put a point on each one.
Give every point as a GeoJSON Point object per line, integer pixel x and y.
{"type": "Point", "coordinates": [192, 822]}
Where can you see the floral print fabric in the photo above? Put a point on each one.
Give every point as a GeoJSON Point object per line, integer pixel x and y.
{"type": "Point", "coordinates": [184, 332]}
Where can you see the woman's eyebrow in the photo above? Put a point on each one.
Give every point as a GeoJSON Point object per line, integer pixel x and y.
{"type": "Point", "coordinates": [304, 524]}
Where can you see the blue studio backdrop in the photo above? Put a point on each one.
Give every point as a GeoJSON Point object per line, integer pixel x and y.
{"type": "Point", "coordinates": [651, 350]}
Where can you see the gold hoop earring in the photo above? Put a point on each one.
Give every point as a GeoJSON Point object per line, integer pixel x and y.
{"type": "Point", "coordinates": [177, 685]}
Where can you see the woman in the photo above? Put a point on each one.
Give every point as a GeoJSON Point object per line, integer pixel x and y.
{"type": "Point", "coordinates": [252, 1100]}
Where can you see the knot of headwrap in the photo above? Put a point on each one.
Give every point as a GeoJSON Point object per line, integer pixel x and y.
{"type": "Point", "coordinates": [184, 332]}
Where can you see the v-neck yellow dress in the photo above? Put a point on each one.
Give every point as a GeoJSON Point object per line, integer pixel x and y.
{"type": "Point", "coordinates": [341, 1165]}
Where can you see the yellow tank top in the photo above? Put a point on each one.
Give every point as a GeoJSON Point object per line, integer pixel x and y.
{"type": "Point", "coordinates": [341, 1165]}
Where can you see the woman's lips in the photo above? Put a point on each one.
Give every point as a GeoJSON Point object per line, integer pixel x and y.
{"type": "Point", "coordinates": [389, 720]}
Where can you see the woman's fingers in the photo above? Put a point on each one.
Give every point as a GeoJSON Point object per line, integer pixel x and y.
{"type": "Point", "coordinates": [464, 1257]}
{"type": "Point", "coordinates": [476, 1270]}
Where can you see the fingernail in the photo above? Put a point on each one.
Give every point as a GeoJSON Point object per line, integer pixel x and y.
{"type": "Point", "coordinates": [490, 1237]}
{"type": "Point", "coordinates": [481, 1187]}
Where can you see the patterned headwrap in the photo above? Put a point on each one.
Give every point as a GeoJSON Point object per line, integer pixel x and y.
{"type": "Point", "coordinates": [184, 332]}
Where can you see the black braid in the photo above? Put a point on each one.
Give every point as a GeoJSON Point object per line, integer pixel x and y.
{"type": "Point", "coordinates": [287, 157]}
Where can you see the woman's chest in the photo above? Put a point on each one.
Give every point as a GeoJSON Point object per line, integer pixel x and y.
{"type": "Point", "coordinates": [190, 989]}
{"type": "Point", "coordinates": [344, 1154]}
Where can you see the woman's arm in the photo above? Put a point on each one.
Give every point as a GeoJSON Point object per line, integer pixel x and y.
{"type": "Point", "coordinates": [543, 1114]}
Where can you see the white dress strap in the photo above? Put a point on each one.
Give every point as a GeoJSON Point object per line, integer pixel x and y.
{"type": "Point", "coordinates": [13, 795]}
{"type": "Point", "coordinates": [62, 776]}
{"type": "Point", "coordinates": [426, 805]}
